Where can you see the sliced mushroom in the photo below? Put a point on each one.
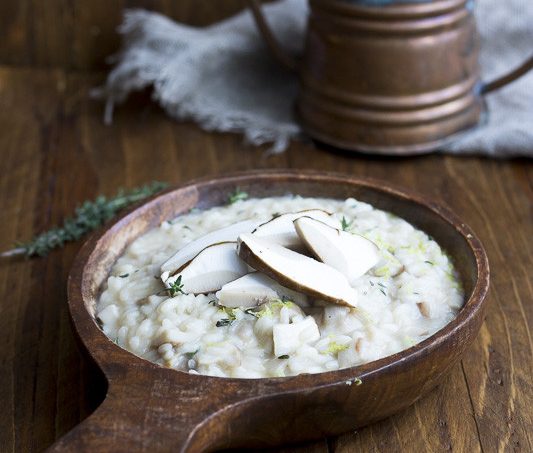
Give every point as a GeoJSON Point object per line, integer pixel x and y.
{"type": "Point", "coordinates": [211, 269]}
{"type": "Point", "coordinates": [254, 289]}
{"type": "Point", "coordinates": [296, 271]}
{"type": "Point", "coordinates": [280, 230]}
{"type": "Point", "coordinates": [187, 253]}
{"type": "Point", "coordinates": [247, 291]}
{"type": "Point", "coordinates": [351, 254]}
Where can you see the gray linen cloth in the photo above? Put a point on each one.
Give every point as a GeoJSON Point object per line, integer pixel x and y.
{"type": "Point", "coordinates": [223, 77]}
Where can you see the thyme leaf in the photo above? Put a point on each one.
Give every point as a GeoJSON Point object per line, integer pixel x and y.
{"type": "Point", "coordinates": [224, 322]}
{"type": "Point", "coordinates": [175, 287]}
{"type": "Point", "coordinates": [190, 355]}
{"type": "Point", "coordinates": [238, 195]}
{"type": "Point", "coordinates": [231, 317]}
{"type": "Point", "coordinates": [284, 357]}
{"type": "Point", "coordinates": [345, 225]}
{"type": "Point", "coordinates": [251, 311]}
{"type": "Point", "coordinates": [87, 217]}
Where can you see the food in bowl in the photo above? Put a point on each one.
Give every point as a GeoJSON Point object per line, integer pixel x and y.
{"type": "Point", "coordinates": [278, 286]}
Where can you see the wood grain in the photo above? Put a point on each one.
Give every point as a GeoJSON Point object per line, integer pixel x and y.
{"type": "Point", "coordinates": [80, 34]}
{"type": "Point", "coordinates": [56, 152]}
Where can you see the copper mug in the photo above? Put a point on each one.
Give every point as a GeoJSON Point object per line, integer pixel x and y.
{"type": "Point", "coordinates": [399, 78]}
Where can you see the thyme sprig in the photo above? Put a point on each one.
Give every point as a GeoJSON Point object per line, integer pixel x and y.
{"type": "Point", "coordinates": [88, 216]}
{"type": "Point", "coordinates": [175, 287]}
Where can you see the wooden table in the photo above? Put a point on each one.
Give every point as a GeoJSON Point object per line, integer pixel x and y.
{"type": "Point", "coordinates": [55, 152]}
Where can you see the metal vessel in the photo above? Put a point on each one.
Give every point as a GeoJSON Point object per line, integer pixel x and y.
{"type": "Point", "coordinates": [389, 78]}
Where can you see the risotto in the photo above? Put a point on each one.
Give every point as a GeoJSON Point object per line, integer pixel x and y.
{"type": "Point", "coordinates": [410, 292]}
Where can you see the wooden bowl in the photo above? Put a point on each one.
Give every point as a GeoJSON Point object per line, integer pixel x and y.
{"type": "Point", "coordinates": [148, 407]}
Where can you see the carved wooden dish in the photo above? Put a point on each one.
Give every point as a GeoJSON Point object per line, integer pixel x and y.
{"type": "Point", "coordinates": [150, 408]}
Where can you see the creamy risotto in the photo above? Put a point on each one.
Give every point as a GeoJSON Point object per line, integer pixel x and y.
{"type": "Point", "coordinates": [409, 294]}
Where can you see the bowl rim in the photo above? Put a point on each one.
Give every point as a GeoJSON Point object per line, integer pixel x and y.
{"type": "Point", "coordinates": [90, 334]}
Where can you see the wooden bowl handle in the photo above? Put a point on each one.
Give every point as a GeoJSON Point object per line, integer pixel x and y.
{"type": "Point", "coordinates": [133, 418]}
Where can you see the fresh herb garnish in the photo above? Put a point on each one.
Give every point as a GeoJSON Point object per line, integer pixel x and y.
{"type": "Point", "coordinates": [227, 321]}
{"type": "Point", "coordinates": [284, 357]}
{"type": "Point", "coordinates": [429, 262]}
{"type": "Point", "coordinates": [190, 355]}
{"type": "Point", "coordinates": [371, 283]}
{"type": "Point", "coordinates": [238, 195]}
{"type": "Point", "coordinates": [88, 216]}
{"type": "Point", "coordinates": [124, 275]}
{"type": "Point", "coordinates": [357, 381]}
{"type": "Point", "coordinates": [383, 292]}
{"type": "Point", "coordinates": [345, 225]}
{"type": "Point", "coordinates": [251, 312]}
{"type": "Point", "coordinates": [175, 287]}
{"type": "Point", "coordinates": [213, 302]}
{"type": "Point", "coordinates": [224, 322]}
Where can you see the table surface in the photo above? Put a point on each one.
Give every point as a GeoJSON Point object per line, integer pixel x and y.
{"type": "Point", "coordinates": [56, 152]}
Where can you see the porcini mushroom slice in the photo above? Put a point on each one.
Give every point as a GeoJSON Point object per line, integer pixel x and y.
{"type": "Point", "coordinates": [280, 230]}
{"type": "Point", "coordinates": [187, 253]}
{"type": "Point", "coordinates": [254, 289]}
{"type": "Point", "coordinates": [211, 269]}
{"type": "Point", "coordinates": [247, 291]}
{"type": "Point", "coordinates": [349, 253]}
{"type": "Point", "coordinates": [296, 271]}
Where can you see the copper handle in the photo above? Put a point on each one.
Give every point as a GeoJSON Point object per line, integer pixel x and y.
{"type": "Point", "coordinates": [506, 79]}
{"type": "Point", "coordinates": [278, 52]}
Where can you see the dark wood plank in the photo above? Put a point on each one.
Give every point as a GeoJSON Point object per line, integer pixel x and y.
{"type": "Point", "coordinates": [500, 383]}
{"type": "Point", "coordinates": [80, 34]}
{"type": "Point", "coordinates": [56, 152]}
